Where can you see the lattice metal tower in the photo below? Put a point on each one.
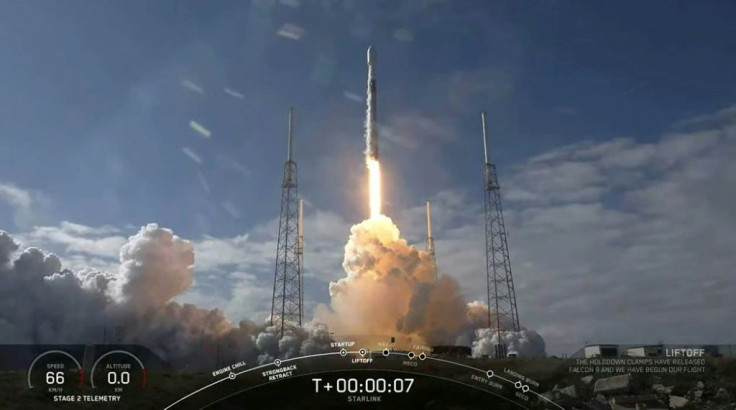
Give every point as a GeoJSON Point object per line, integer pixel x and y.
{"type": "Point", "coordinates": [300, 253]}
{"type": "Point", "coordinates": [501, 295]}
{"type": "Point", "coordinates": [287, 288]}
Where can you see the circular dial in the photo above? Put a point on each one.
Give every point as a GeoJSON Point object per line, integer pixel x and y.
{"type": "Point", "coordinates": [55, 372]}
{"type": "Point", "coordinates": [118, 371]}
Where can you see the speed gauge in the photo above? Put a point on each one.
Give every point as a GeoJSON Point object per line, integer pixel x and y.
{"type": "Point", "coordinates": [55, 372]}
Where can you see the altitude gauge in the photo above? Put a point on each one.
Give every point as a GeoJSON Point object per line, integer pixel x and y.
{"type": "Point", "coordinates": [56, 372]}
{"type": "Point", "coordinates": [118, 371]}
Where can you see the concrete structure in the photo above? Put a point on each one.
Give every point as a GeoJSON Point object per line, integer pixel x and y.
{"type": "Point", "coordinates": [614, 384]}
{"type": "Point", "coordinates": [645, 351]}
{"type": "Point", "coordinates": [600, 351]}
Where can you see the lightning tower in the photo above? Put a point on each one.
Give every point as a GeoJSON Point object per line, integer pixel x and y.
{"type": "Point", "coordinates": [287, 288]}
{"type": "Point", "coordinates": [300, 253]}
{"type": "Point", "coordinates": [501, 295]}
{"type": "Point", "coordinates": [430, 239]}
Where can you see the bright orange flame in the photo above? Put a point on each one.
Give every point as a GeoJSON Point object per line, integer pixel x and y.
{"type": "Point", "coordinates": [374, 186]}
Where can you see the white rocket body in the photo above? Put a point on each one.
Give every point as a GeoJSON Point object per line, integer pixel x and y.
{"type": "Point", "coordinates": [430, 239]}
{"type": "Point", "coordinates": [371, 125]}
{"type": "Point", "coordinates": [429, 220]}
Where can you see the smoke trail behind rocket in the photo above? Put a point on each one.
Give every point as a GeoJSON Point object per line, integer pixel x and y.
{"type": "Point", "coordinates": [371, 128]}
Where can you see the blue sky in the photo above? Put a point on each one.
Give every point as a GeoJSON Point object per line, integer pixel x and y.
{"type": "Point", "coordinates": [94, 115]}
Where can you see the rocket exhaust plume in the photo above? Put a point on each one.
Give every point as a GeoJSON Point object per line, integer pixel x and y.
{"type": "Point", "coordinates": [371, 139]}
{"type": "Point", "coordinates": [395, 280]}
{"type": "Point", "coordinates": [391, 289]}
{"type": "Point", "coordinates": [374, 186]}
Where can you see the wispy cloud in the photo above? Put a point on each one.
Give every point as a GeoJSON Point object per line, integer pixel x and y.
{"type": "Point", "coordinates": [721, 117]}
{"type": "Point", "coordinates": [15, 196]}
{"type": "Point", "coordinates": [79, 246]}
{"type": "Point", "coordinates": [27, 206]}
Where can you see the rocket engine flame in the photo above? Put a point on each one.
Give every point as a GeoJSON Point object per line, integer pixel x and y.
{"type": "Point", "coordinates": [374, 186]}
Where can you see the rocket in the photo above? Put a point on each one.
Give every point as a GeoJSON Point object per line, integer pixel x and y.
{"type": "Point", "coordinates": [430, 239]}
{"type": "Point", "coordinates": [430, 247]}
{"type": "Point", "coordinates": [371, 126]}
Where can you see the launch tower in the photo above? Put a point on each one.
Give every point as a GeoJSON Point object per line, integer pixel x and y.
{"type": "Point", "coordinates": [287, 287]}
{"type": "Point", "coordinates": [501, 295]}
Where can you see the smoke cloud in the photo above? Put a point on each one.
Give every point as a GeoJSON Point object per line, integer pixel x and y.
{"type": "Point", "coordinates": [42, 303]}
{"type": "Point", "coordinates": [389, 290]}
{"type": "Point", "coordinates": [525, 343]}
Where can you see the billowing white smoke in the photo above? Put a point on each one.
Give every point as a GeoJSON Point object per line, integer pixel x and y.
{"type": "Point", "coordinates": [390, 290]}
{"type": "Point", "coordinates": [297, 341]}
{"type": "Point", "coordinates": [525, 343]}
{"type": "Point", "coordinates": [155, 266]}
{"type": "Point", "coordinates": [41, 303]}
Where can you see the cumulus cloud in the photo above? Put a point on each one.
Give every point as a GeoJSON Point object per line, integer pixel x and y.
{"type": "Point", "coordinates": [7, 247]}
